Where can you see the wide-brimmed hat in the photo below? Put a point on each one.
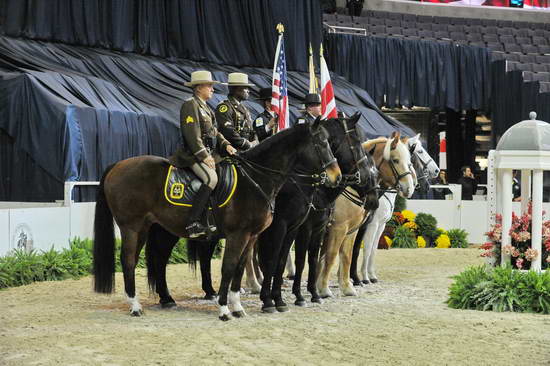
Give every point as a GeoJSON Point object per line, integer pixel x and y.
{"type": "Point", "coordinates": [201, 77]}
{"type": "Point", "coordinates": [265, 94]}
{"type": "Point", "coordinates": [238, 79]}
{"type": "Point", "coordinates": [312, 98]}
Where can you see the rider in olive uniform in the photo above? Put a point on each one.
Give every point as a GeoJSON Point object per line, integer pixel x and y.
{"type": "Point", "coordinates": [202, 142]}
{"type": "Point", "coordinates": [312, 111]}
{"type": "Point", "coordinates": [232, 115]}
{"type": "Point", "coordinates": [265, 123]}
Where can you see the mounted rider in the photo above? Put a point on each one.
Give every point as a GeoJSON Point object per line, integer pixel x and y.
{"type": "Point", "coordinates": [312, 104]}
{"type": "Point", "coordinates": [265, 122]}
{"type": "Point", "coordinates": [202, 144]}
{"type": "Point", "coordinates": [233, 116]}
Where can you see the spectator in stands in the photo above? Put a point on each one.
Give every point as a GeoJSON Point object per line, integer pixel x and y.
{"type": "Point", "coordinates": [516, 187]}
{"type": "Point", "coordinates": [312, 103]}
{"type": "Point", "coordinates": [328, 6]}
{"type": "Point", "coordinates": [468, 183]}
{"type": "Point", "coordinates": [202, 143]}
{"type": "Point", "coordinates": [440, 193]}
{"type": "Point", "coordinates": [355, 7]}
{"type": "Point", "coordinates": [264, 124]}
{"type": "Point", "coordinates": [233, 117]}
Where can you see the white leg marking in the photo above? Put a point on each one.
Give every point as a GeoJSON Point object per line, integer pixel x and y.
{"type": "Point", "coordinates": [224, 310]}
{"type": "Point", "coordinates": [234, 299]}
{"type": "Point", "coordinates": [135, 306]}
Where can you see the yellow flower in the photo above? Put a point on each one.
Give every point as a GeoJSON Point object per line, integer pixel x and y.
{"type": "Point", "coordinates": [421, 242]}
{"type": "Point", "coordinates": [408, 214]}
{"type": "Point", "coordinates": [411, 225]}
{"type": "Point", "coordinates": [443, 241]}
{"type": "Point", "coordinates": [388, 241]}
{"type": "Point", "coordinates": [443, 231]}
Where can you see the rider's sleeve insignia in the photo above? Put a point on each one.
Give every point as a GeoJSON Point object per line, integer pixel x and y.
{"type": "Point", "coordinates": [259, 121]}
{"type": "Point", "coordinates": [189, 119]}
{"type": "Point", "coordinates": [222, 108]}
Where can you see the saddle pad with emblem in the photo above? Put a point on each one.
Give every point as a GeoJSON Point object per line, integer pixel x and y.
{"type": "Point", "coordinates": [182, 185]}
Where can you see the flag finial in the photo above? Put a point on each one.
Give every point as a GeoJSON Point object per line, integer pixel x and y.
{"type": "Point", "coordinates": [280, 28]}
{"type": "Point", "coordinates": [310, 49]}
{"type": "Point", "coordinates": [321, 50]}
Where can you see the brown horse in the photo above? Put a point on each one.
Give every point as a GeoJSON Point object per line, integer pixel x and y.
{"type": "Point", "coordinates": [393, 161]}
{"type": "Point", "coordinates": [131, 192]}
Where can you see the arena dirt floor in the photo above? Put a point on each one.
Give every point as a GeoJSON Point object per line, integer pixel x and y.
{"type": "Point", "coordinates": [402, 320]}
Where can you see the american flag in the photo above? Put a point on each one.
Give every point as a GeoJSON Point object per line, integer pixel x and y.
{"type": "Point", "coordinates": [328, 103]}
{"type": "Point", "coordinates": [279, 92]}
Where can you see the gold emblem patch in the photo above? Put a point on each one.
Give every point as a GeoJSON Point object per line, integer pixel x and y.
{"type": "Point", "coordinates": [223, 108]}
{"type": "Point", "coordinates": [189, 119]}
{"type": "Point", "coordinates": [177, 191]}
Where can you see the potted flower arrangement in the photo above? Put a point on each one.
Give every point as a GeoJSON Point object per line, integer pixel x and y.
{"type": "Point", "coordinates": [520, 251]}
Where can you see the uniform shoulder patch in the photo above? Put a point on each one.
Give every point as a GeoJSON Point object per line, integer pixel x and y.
{"type": "Point", "coordinates": [259, 121]}
{"type": "Point", "coordinates": [301, 120]}
{"type": "Point", "coordinates": [189, 119]}
{"type": "Point", "coordinates": [222, 108]}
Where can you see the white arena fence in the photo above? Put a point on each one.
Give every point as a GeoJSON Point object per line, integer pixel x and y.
{"type": "Point", "coordinates": [41, 226]}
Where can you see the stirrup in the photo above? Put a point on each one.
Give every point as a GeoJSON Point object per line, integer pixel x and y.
{"type": "Point", "coordinates": [195, 230]}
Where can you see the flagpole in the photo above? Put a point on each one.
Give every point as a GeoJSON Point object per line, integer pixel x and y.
{"type": "Point", "coordinates": [280, 29]}
{"type": "Point", "coordinates": [312, 78]}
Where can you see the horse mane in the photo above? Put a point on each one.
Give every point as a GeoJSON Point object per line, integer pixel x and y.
{"type": "Point", "coordinates": [295, 133]}
{"type": "Point", "coordinates": [369, 144]}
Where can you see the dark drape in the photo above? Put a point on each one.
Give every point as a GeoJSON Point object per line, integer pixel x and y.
{"type": "Point", "coordinates": [398, 72]}
{"type": "Point", "coordinates": [513, 99]}
{"type": "Point", "coordinates": [71, 111]}
{"type": "Point", "coordinates": [227, 32]}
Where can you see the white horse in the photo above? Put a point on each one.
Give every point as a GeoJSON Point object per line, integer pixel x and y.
{"type": "Point", "coordinates": [426, 168]}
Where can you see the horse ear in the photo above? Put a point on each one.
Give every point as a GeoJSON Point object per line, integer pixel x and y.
{"type": "Point", "coordinates": [395, 139]}
{"type": "Point", "coordinates": [355, 118]}
{"type": "Point", "coordinates": [417, 137]}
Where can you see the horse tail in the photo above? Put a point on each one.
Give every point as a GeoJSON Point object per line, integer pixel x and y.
{"type": "Point", "coordinates": [104, 242]}
{"type": "Point", "coordinates": [193, 252]}
{"type": "Point", "coordinates": [150, 258]}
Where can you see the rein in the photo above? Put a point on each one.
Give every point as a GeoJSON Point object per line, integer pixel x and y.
{"type": "Point", "coordinates": [354, 178]}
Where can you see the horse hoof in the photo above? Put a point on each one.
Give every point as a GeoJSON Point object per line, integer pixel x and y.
{"type": "Point", "coordinates": [300, 303]}
{"type": "Point", "coordinates": [366, 282]}
{"type": "Point", "coordinates": [168, 305]}
{"type": "Point", "coordinates": [373, 280]}
{"type": "Point", "coordinates": [239, 314]}
{"type": "Point", "coordinates": [269, 310]}
{"type": "Point", "coordinates": [210, 296]}
{"type": "Point", "coordinates": [136, 313]}
{"type": "Point", "coordinates": [282, 308]}
{"type": "Point", "coordinates": [225, 318]}
{"type": "Point", "coordinates": [357, 283]}
{"type": "Point", "coordinates": [317, 300]}
{"type": "Point", "coordinates": [349, 292]}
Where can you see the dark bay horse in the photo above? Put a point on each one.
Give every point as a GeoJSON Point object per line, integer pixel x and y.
{"type": "Point", "coordinates": [131, 192]}
{"type": "Point", "coordinates": [346, 145]}
{"type": "Point", "coordinates": [296, 203]}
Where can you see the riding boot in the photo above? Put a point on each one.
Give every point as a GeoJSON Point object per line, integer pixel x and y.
{"type": "Point", "coordinates": [195, 228]}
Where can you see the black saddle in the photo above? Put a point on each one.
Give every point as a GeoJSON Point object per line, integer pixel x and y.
{"type": "Point", "coordinates": [182, 185]}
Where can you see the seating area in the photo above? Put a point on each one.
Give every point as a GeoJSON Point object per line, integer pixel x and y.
{"type": "Point", "coordinates": [524, 45]}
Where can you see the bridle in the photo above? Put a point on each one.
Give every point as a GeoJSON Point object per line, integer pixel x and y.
{"type": "Point", "coordinates": [359, 156]}
{"type": "Point", "coordinates": [396, 175]}
{"type": "Point", "coordinates": [423, 161]}
{"type": "Point", "coordinates": [316, 179]}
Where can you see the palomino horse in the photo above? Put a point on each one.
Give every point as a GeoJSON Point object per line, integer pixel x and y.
{"type": "Point", "coordinates": [351, 158]}
{"type": "Point", "coordinates": [296, 202]}
{"type": "Point", "coordinates": [395, 171]}
{"type": "Point", "coordinates": [131, 192]}
{"type": "Point", "coordinates": [426, 168]}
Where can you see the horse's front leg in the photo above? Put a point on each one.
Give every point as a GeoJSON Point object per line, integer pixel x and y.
{"type": "Point", "coordinates": [251, 281]}
{"type": "Point", "coordinates": [234, 255]}
{"type": "Point", "coordinates": [205, 251]}
{"type": "Point", "coordinates": [355, 256]}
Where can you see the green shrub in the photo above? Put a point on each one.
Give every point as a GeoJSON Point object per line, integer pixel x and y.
{"type": "Point", "coordinates": [22, 268]}
{"type": "Point", "coordinates": [459, 238]}
{"type": "Point", "coordinates": [400, 204]}
{"type": "Point", "coordinates": [403, 238]}
{"type": "Point", "coordinates": [501, 289]}
{"type": "Point", "coordinates": [427, 227]}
